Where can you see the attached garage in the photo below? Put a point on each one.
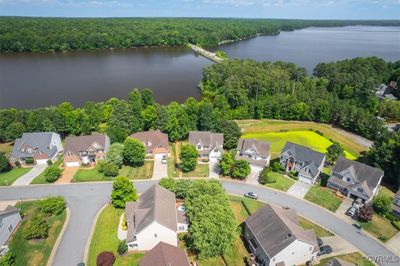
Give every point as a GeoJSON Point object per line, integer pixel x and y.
{"type": "Point", "coordinates": [72, 164]}
{"type": "Point", "coordinates": [305, 179]}
{"type": "Point", "coordinates": [41, 161]}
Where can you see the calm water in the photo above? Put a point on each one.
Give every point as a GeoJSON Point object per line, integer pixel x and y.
{"type": "Point", "coordinates": [34, 80]}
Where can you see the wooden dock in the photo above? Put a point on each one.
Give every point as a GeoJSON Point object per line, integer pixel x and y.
{"type": "Point", "coordinates": [207, 54]}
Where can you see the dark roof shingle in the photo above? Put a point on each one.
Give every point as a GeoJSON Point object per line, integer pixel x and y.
{"type": "Point", "coordinates": [164, 254]}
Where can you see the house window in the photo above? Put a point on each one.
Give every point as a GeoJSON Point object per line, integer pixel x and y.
{"type": "Point", "coordinates": [10, 227]}
{"type": "Point", "coordinates": [348, 179]}
{"type": "Point", "coordinates": [360, 190]}
{"type": "Point", "coordinates": [181, 228]}
{"type": "Point", "coordinates": [1, 225]}
{"type": "Point", "coordinates": [199, 147]}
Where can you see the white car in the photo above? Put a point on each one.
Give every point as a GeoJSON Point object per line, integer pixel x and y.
{"type": "Point", "coordinates": [164, 159]}
{"type": "Point", "coordinates": [357, 203]}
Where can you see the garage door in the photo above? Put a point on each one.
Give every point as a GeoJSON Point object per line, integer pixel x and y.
{"type": "Point", "coordinates": [159, 156]}
{"type": "Point", "coordinates": [256, 168]}
{"type": "Point", "coordinates": [41, 161]}
{"type": "Point", "coordinates": [71, 164]}
{"type": "Point", "coordinates": [305, 180]}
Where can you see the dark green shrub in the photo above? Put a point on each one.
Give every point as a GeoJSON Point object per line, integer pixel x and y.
{"type": "Point", "coordinates": [108, 168]}
{"type": "Point", "coordinates": [122, 248]}
{"type": "Point", "coordinates": [266, 177]}
{"type": "Point", "coordinates": [36, 227]}
{"type": "Point", "coordinates": [52, 205]}
{"type": "Point", "coordinates": [391, 217]}
{"type": "Point", "coordinates": [8, 259]}
{"type": "Point", "coordinates": [277, 167]}
{"type": "Point", "coordinates": [3, 163]}
{"type": "Point", "coordinates": [49, 162]}
{"type": "Point", "coordinates": [52, 173]}
{"type": "Point", "coordinates": [29, 160]}
{"type": "Point", "coordinates": [17, 164]}
{"type": "Point", "coordinates": [382, 204]}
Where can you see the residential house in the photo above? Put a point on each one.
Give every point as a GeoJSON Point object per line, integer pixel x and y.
{"type": "Point", "coordinates": [209, 145]}
{"type": "Point", "coordinates": [355, 179]}
{"type": "Point", "coordinates": [164, 254]}
{"type": "Point", "coordinates": [155, 141]}
{"type": "Point", "coordinates": [152, 219]}
{"type": "Point", "coordinates": [274, 236]}
{"type": "Point", "coordinates": [387, 91]}
{"type": "Point", "coordinates": [303, 160]}
{"type": "Point", "coordinates": [396, 204]}
{"type": "Point", "coordinates": [255, 152]}
{"type": "Point", "coordinates": [85, 149]}
{"type": "Point", "coordinates": [9, 220]}
{"type": "Point", "coordinates": [338, 262]}
{"type": "Point", "coordinates": [40, 146]}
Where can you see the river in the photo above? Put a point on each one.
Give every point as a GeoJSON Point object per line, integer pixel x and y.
{"type": "Point", "coordinates": [42, 79]}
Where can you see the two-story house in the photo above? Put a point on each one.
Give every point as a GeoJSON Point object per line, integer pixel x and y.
{"type": "Point", "coordinates": [303, 160]}
{"type": "Point", "coordinates": [274, 236]}
{"type": "Point", "coordinates": [155, 142]}
{"type": "Point", "coordinates": [85, 149]}
{"type": "Point", "coordinates": [9, 220]}
{"type": "Point", "coordinates": [153, 218]}
{"type": "Point", "coordinates": [209, 145]}
{"type": "Point", "coordinates": [255, 152]}
{"type": "Point", "coordinates": [40, 146]}
{"type": "Point", "coordinates": [355, 179]}
{"type": "Point", "coordinates": [396, 204]}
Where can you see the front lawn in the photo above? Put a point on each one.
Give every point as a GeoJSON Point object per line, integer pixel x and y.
{"type": "Point", "coordinates": [380, 227]}
{"type": "Point", "coordinates": [7, 178]}
{"type": "Point", "coordinates": [319, 231]}
{"type": "Point", "coordinates": [41, 179]}
{"type": "Point", "coordinates": [105, 239]}
{"type": "Point", "coordinates": [282, 182]}
{"type": "Point", "coordinates": [34, 252]}
{"type": "Point", "coordinates": [356, 258]}
{"type": "Point", "coordinates": [324, 197]}
{"type": "Point", "coordinates": [202, 170]}
{"type": "Point", "coordinates": [306, 138]}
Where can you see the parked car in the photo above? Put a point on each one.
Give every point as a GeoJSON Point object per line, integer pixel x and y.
{"type": "Point", "coordinates": [251, 195]}
{"type": "Point", "coordinates": [324, 250]}
{"type": "Point", "coordinates": [351, 211]}
{"type": "Point", "coordinates": [320, 242]}
{"type": "Point", "coordinates": [164, 159]}
{"type": "Point", "coordinates": [358, 226]}
{"type": "Point", "coordinates": [357, 203]}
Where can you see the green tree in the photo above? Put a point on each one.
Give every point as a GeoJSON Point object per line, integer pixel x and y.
{"type": "Point", "coordinates": [147, 98]}
{"type": "Point", "coordinates": [188, 157]}
{"type": "Point", "coordinates": [241, 169]}
{"type": "Point", "coordinates": [115, 154]}
{"type": "Point", "coordinates": [116, 134]}
{"type": "Point", "coordinates": [108, 168]}
{"type": "Point", "coordinates": [3, 162]}
{"type": "Point", "coordinates": [226, 164]}
{"type": "Point", "coordinates": [14, 131]}
{"type": "Point", "coordinates": [150, 117]}
{"type": "Point", "coordinates": [334, 152]}
{"type": "Point", "coordinates": [231, 132]}
{"type": "Point", "coordinates": [382, 204]}
{"type": "Point", "coordinates": [52, 173]}
{"type": "Point", "coordinates": [134, 152]}
{"type": "Point", "coordinates": [266, 177]}
{"type": "Point", "coordinates": [207, 118]}
{"type": "Point", "coordinates": [123, 191]}
{"type": "Point", "coordinates": [52, 205]}
{"type": "Point", "coordinates": [36, 227]}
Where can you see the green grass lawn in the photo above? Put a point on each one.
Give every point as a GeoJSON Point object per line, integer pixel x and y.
{"type": "Point", "coordinates": [105, 239]}
{"type": "Point", "coordinates": [282, 183]}
{"type": "Point", "coordinates": [92, 174]}
{"type": "Point", "coordinates": [9, 177]}
{"type": "Point", "coordinates": [34, 252]}
{"type": "Point", "coordinates": [40, 179]}
{"type": "Point", "coordinates": [380, 227]}
{"type": "Point", "coordinates": [331, 133]}
{"type": "Point", "coordinates": [356, 258]}
{"type": "Point", "coordinates": [6, 148]}
{"type": "Point", "coordinates": [306, 138]}
{"type": "Point", "coordinates": [202, 170]}
{"type": "Point", "coordinates": [324, 197]}
{"type": "Point", "coordinates": [319, 231]}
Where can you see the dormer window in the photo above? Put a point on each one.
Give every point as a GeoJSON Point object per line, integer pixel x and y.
{"type": "Point", "coordinates": [198, 146]}
{"type": "Point", "coordinates": [149, 143]}
{"type": "Point", "coordinates": [360, 190]}
{"type": "Point", "coordinates": [348, 179]}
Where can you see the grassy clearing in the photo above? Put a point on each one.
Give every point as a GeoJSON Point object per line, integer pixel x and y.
{"type": "Point", "coordinates": [34, 252]}
{"type": "Point", "coordinates": [380, 227]}
{"type": "Point", "coordinates": [356, 258]}
{"type": "Point", "coordinates": [6, 148]}
{"type": "Point", "coordinates": [324, 197]}
{"type": "Point", "coordinates": [7, 178]}
{"type": "Point", "coordinates": [92, 174]}
{"type": "Point", "coordinates": [105, 238]}
{"type": "Point", "coordinates": [172, 170]}
{"type": "Point", "coordinates": [319, 231]}
{"type": "Point", "coordinates": [41, 179]}
{"type": "Point", "coordinates": [331, 133]}
{"type": "Point", "coordinates": [202, 170]}
{"type": "Point", "coordinates": [305, 138]}
{"type": "Point", "coordinates": [282, 183]}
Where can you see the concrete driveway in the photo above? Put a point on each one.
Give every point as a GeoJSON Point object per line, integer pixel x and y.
{"type": "Point", "coordinates": [341, 211]}
{"type": "Point", "coordinates": [27, 178]}
{"type": "Point", "coordinates": [160, 169]}
{"type": "Point", "coordinates": [253, 177]}
{"type": "Point", "coordinates": [213, 166]}
{"type": "Point", "coordinates": [299, 189]}
{"type": "Point", "coordinates": [67, 175]}
{"type": "Point", "coordinates": [338, 245]}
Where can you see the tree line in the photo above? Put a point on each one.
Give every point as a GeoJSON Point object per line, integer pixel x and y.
{"type": "Point", "coordinates": [18, 34]}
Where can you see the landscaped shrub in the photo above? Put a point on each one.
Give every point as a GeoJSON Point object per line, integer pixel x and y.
{"type": "Point", "coordinates": [266, 177]}
{"type": "Point", "coordinates": [52, 173]}
{"type": "Point", "coordinates": [36, 227]}
{"type": "Point", "coordinates": [8, 259]}
{"type": "Point", "coordinates": [3, 162]}
{"type": "Point", "coordinates": [391, 217]}
{"type": "Point", "coordinates": [105, 258]}
{"type": "Point", "coordinates": [122, 248]}
{"type": "Point", "coordinates": [241, 169]}
{"type": "Point", "coordinates": [29, 160]}
{"type": "Point", "coordinates": [382, 204]}
{"type": "Point", "coordinates": [365, 213]}
{"type": "Point", "coordinates": [52, 205]}
{"type": "Point", "coordinates": [49, 162]}
{"type": "Point", "coordinates": [294, 175]}
{"type": "Point", "coordinates": [108, 168]}
{"type": "Point", "coordinates": [277, 167]}
{"type": "Point", "coordinates": [115, 154]}
{"type": "Point", "coordinates": [123, 191]}
{"type": "Point", "coordinates": [17, 164]}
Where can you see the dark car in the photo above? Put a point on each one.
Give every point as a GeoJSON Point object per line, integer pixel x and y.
{"type": "Point", "coordinates": [358, 226]}
{"type": "Point", "coordinates": [324, 250]}
{"type": "Point", "coordinates": [251, 195]}
{"type": "Point", "coordinates": [320, 242]}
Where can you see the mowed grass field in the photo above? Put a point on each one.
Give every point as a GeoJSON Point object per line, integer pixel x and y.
{"type": "Point", "coordinates": [306, 138]}
{"type": "Point", "coordinates": [278, 132]}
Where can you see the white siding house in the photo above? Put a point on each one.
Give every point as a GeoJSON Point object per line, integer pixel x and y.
{"type": "Point", "coordinates": [9, 220]}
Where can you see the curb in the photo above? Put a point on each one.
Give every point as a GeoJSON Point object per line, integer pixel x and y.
{"type": "Point", "coordinates": [89, 239]}
{"type": "Point", "coordinates": [59, 238]}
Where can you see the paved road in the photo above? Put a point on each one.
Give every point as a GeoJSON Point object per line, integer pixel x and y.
{"type": "Point", "coordinates": [86, 199]}
{"type": "Point", "coordinates": [27, 178]}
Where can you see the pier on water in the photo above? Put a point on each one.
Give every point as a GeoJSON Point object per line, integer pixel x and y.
{"type": "Point", "coordinates": [207, 54]}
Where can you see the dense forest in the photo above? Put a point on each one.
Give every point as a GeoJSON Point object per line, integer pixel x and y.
{"type": "Point", "coordinates": [340, 93]}
{"type": "Point", "coordinates": [19, 34]}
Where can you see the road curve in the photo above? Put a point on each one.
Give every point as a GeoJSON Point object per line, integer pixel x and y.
{"type": "Point", "coordinates": [85, 199]}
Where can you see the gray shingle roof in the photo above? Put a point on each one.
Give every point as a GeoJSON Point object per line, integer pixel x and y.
{"type": "Point", "coordinates": [35, 140]}
{"type": "Point", "coordinates": [275, 228]}
{"type": "Point", "coordinates": [206, 138]}
{"type": "Point", "coordinates": [303, 154]}
{"type": "Point", "coordinates": [164, 254]}
{"type": "Point", "coordinates": [261, 147]}
{"type": "Point", "coordinates": [9, 210]}
{"type": "Point", "coordinates": [155, 204]}
{"type": "Point", "coordinates": [77, 144]}
{"type": "Point", "coordinates": [360, 171]}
